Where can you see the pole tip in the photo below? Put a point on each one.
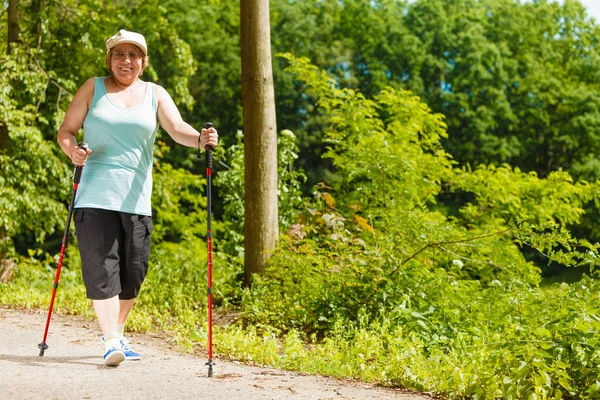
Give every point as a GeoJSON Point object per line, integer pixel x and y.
{"type": "Point", "coordinates": [210, 364]}
{"type": "Point", "coordinates": [42, 346]}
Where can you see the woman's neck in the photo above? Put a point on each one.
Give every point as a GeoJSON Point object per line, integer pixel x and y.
{"type": "Point", "coordinates": [125, 86]}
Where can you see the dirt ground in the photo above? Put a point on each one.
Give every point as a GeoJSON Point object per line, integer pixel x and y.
{"type": "Point", "coordinates": [72, 368]}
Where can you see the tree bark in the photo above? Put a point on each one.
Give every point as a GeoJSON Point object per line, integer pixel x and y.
{"type": "Point", "coordinates": [12, 37]}
{"type": "Point", "coordinates": [13, 24]}
{"type": "Point", "coordinates": [260, 137]}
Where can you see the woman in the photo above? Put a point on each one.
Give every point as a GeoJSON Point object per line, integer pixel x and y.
{"type": "Point", "coordinates": [120, 115]}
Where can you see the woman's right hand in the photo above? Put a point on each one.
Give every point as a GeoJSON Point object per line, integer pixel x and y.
{"type": "Point", "coordinates": [79, 155]}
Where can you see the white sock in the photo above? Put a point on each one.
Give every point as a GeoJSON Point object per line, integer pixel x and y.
{"type": "Point", "coordinates": [120, 330]}
{"type": "Point", "coordinates": [112, 340]}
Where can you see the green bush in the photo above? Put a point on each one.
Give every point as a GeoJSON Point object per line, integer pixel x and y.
{"type": "Point", "coordinates": [377, 282]}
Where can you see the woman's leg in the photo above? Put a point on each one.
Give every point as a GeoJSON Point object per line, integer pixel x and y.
{"type": "Point", "coordinates": [107, 312]}
{"type": "Point", "coordinates": [134, 255]}
{"type": "Point", "coordinates": [98, 237]}
{"type": "Point", "coordinates": [125, 308]}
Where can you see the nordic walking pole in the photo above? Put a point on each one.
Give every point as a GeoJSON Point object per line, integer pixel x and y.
{"type": "Point", "coordinates": [209, 162]}
{"type": "Point", "coordinates": [76, 178]}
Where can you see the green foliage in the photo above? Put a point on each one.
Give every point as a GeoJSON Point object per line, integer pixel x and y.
{"type": "Point", "coordinates": [396, 153]}
{"type": "Point", "coordinates": [174, 294]}
{"type": "Point", "coordinates": [33, 179]}
{"type": "Point", "coordinates": [179, 204]}
{"type": "Point", "coordinates": [289, 178]}
{"type": "Point", "coordinates": [386, 287]}
{"type": "Point", "coordinates": [230, 187]}
{"type": "Point", "coordinates": [435, 333]}
{"type": "Point", "coordinates": [539, 209]}
{"type": "Point", "coordinates": [211, 30]}
{"type": "Point", "coordinates": [33, 280]}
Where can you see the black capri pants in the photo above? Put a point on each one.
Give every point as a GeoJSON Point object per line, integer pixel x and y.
{"type": "Point", "coordinates": [114, 248]}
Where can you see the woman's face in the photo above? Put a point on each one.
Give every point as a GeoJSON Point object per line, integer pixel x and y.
{"type": "Point", "coordinates": [126, 63]}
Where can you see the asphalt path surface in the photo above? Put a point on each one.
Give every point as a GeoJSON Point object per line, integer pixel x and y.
{"type": "Point", "coordinates": [72, 368]}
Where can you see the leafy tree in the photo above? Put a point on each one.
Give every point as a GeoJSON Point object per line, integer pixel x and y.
{"type": "Point", "coordinates": [515, 81]}
{"type": "Point", "coordinates": [33, 178]}
{"type": "Point", "coordinates": [212, 30]}
{"type": "Point", "coordinates": [395, 186]}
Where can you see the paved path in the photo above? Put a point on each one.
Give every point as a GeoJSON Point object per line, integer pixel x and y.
{"type": "Point", "coordinates": [72, 368]}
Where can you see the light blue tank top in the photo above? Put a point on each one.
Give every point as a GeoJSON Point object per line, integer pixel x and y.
{"type": "Point", "coordinates": [118, 174]}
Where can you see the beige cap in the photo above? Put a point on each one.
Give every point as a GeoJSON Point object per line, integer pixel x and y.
{"type": "Point", "coordinates": [124, 36]}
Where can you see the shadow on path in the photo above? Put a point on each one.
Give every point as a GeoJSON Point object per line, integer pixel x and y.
{"type": "Point", "coordinates": [39, 361]}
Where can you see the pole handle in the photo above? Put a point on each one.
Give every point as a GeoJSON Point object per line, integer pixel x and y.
{"type": "Point", "coordinates": [209, 157]}
{"type": "Point", "coordinates": [79, 168]}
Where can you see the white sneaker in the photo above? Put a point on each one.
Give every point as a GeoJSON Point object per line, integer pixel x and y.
{"type": "Point", "coordinates": [130, 355]}
{"type": "Point", "coordinates": [113, 357]}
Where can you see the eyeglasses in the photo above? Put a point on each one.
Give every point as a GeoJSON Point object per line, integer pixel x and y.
{"type": "Point", "coordinates": [133, 56]}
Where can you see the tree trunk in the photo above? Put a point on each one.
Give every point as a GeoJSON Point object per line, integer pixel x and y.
{"type": "Point", "coordinates": [6, 265]}
{"type": "Point", "coordinates": [13, 23]}
{"type": "Point", "coordinates": [260, 137]}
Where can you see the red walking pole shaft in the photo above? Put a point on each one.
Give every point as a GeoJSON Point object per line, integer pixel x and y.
{"type": "Point", "coordinates": [76, 178]}
{"type": "Point", "coordinates": [209, 237]}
